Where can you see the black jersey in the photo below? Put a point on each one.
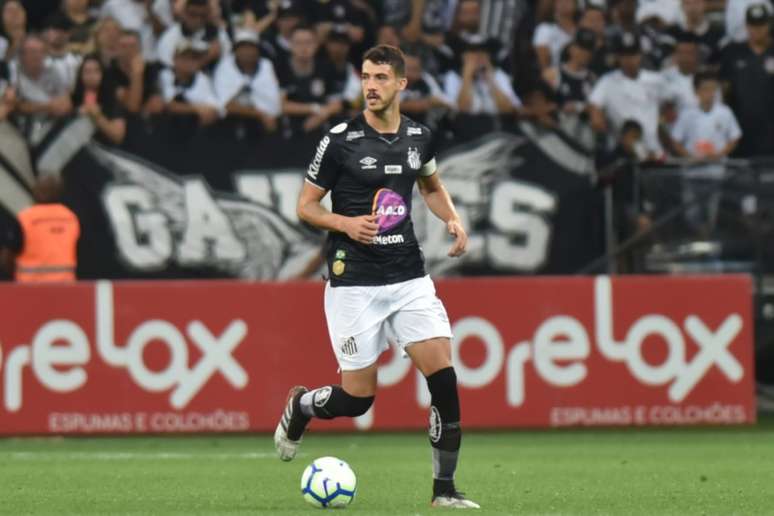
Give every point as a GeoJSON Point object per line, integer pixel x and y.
{"type": "Point", "coordinates": [372, 173]}
{"type": "Point", "coordinates": [574, 86]}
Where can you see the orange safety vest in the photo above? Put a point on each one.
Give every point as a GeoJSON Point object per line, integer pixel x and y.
{"type": "Point", "coordinates": [50, 233]}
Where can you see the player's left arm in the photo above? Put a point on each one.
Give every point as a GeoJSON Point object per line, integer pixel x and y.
{"type": "Point", "coordinates": [440, 203]}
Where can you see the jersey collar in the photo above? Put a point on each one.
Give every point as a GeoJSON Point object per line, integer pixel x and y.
{"type": "Point", "coordinates": [388, 138]}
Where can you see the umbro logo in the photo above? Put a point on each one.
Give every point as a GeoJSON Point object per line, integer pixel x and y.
{"type": "Point", "coordinates": [368, 163]}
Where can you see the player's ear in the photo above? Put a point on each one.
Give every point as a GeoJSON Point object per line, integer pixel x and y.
{"type": "Point", "coordinates": [402, 83]}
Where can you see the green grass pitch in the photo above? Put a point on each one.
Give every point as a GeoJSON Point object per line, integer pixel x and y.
{"type": "Point", "coordinates": [617, 472]}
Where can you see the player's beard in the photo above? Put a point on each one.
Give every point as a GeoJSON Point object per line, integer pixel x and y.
{"type": "Point", "coordinates": [386, 103]}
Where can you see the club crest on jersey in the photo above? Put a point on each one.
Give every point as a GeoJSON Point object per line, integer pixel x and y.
{"type": "Point", "coordinates": [368, 163]}
{"type": "Point", "coordinates": [390, 209]}
{"type": "Point", "coordinates": [414, 159]}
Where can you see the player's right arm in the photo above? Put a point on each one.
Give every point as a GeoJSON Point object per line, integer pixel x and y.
{"type": "Point", "coordinates": [361, 229]}
{"type": "Point", "coordinates": [321, 176]}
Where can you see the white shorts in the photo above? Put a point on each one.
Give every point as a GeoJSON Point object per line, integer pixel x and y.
{"type": "Point", "coordinates": [363, 321]}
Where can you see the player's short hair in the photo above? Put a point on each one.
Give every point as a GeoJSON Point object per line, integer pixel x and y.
{"type": "Point", "coordinates": [389, 55]}
{"type": "Point", "coordinates": [703, 77]}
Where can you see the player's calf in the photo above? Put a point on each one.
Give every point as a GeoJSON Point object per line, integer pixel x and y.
{"type": "Point", "coordinates": [445, 438]}
{"type": "Point", "coordinates": [332, 401]}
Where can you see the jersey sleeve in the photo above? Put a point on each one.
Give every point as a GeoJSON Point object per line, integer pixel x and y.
{"type": "Point", "coordinates": [429, 166]}
{"type": "Point", "coordinates": [323, 171]}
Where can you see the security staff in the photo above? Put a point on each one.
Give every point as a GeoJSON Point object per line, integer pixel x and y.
{"type": "Point", "coordinates": [48, 236]}
{"type": "Point", "coordinates": [747, 70]}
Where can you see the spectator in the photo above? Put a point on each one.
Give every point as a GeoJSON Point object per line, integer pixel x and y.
{"type": "Point", "coordinates": [388, 35]}
{"type": "Point", "coordinates": [276, 44]}
{"type": "Point", "coordinates": [736, 21]}
{"type": "Point", "coordinates": [245, 83]}
{"type": "Point", "coordinates": [422, 94]}
{"type": "Point", "coordinates": [628, 93]}
{"type": "Point", "coordinates": [657, 44]}
{"type": "Point", "coordinates": [595, 20]}
{"type": "Point", "coordinates": [42, 245]}
{"type": "Point", "coordinates": [708, 130]}
{"type": "Point", "coordinates": [619, 169]}
{"type": "Point", "coordinates": [346, 80]}
{"type": "Point", "coordinates": [551, 37]}
{"type": "Point", "coordinates": [56, 34]}
{"type": "Point", "coordinates": [748, 70]}
{"type": "Point", "coordinates": [82, 24]}
{"type": "Point", "coordinates": [257, 15]}
{"type": "Point", "coordinates": [137, 81]}
{"type": "Point", "coordinates": [106, 39]}
{"type": "Point", "coordinates": [95, 97]}
{"type": "Point", "coordinates": [540, 106]}
{"type": "Point", "coordinates": [694, 21]}
{"type": "Point", "coordinates": [141, 16]}
{"type": "Point", "coordinates": [679, 76]}
{"type": "Point", "coordinates": [480, 88]}
{"type": "Point", "coordinates": [572, 81]}
{"type": "Point", "coordinates": [195, 25]}
{"type": "Point", "coordinates": [13, 28]}
{"type": "Point", "coordinates": [185, 89]}
{"type": "Point", "coordinates": [414, 20]}
{"type": "Point", "coordinates": [356, 16]}
{"type": "Point", "coordinates": [467, 24]}
{"type": "Point", "coordinates": [309, 95]}
{"type": "Point", "coordinates": [43, 94]}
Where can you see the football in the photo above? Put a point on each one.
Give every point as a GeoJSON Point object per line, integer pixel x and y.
{"type": "Point", "coordinates": [328, 482]}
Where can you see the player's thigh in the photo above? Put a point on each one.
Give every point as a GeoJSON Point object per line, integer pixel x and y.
{"type": "Point", "coordinates": [356, 325]}
{"type": "Point", "coordinates": [431, 355]}
{"type": "Point", "coordinates": [421, 327]}
{"type": "Point", "coordinates": [360, 382]}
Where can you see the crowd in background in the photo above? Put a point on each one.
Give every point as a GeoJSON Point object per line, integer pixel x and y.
{"type": "Point", "coordinates": [692, 78]}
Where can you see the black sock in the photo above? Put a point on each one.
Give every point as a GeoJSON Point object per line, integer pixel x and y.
{"type": "Point", "coordinates": [332, 401]}
{"type": "Point", "coordinates": [445, 432]}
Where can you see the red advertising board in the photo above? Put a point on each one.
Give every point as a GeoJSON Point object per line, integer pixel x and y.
{"type": "Point", "coordinates": [137, 357]}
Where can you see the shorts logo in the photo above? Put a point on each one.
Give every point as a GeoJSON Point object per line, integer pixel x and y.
{"type": "Point", "coordinates": [341, 254]}
{"type": "Point", "coordinates": [368, 163]}
{"type": "Point", "coordinates": [435, 425]}
{"type": "Point", "coordinates": [338, 267]}
{"type": "Point", "coordinates": [349, 348]}
{"type": "Point", "coordinates": [322, 395]}
{"type": "Point", "coordinates": [414, 130]}
{"type": "Point", "coordinates": [414, 158]}
{"type": "Point", "coordinates": [390, 209]}
{"type": "Point", "coordinates": [393, 169]}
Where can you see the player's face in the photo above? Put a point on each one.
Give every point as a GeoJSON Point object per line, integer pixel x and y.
{"type": "Point", "coordinates": [380, 85]}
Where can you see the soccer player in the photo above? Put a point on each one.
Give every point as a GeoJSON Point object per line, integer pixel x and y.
{"type": "Point", "coordinates": [378, 289]}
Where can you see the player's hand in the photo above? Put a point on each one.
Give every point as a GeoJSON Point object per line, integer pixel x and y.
{"type": "Point", "coordinates": [361, 229]}
{"type": "Point", "coordinates": [460, 238]}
